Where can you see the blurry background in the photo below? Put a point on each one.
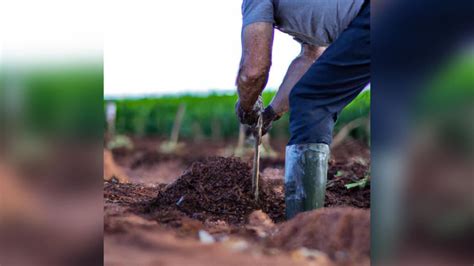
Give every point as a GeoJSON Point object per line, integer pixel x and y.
{"type": "Point", "coordinates": [422, 125]}
{"type": "Point", "coordinates": [156, 116]}
{"type": "Point", "coordinates": [51, 117]}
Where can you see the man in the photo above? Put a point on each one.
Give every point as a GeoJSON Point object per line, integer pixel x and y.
{"type": "Point", "coordinates": [331, 70]}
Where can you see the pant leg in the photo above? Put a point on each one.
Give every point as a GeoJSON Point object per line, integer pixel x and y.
{"type": "Point", "coordinates": [331, 83]}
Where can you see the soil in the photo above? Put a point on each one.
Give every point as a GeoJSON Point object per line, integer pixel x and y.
{"type": "Point", "coordinates": [111, 170]}
{"type": "Point", "coordinates": [221, 189]}
{"type": "Point", "coordinates": [342, 233]}
{"type": "Point", "coordinates": [158, 217]}
{"type": "Point", "coordinates": [143, 242]}
{"type": "Point", "coordinates": [341, 174]}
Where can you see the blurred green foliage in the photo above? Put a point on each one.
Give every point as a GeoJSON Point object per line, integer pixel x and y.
{"type": "Point", "coordinates": [54, 100]}
{"type": "Point", "coordinates": [209, 116]}
{"type": "Point", "coordinates": [451, 89]}
{"type": "Point", "coordinates": [449, 107]}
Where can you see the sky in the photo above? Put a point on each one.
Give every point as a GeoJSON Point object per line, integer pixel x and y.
{"type": "Point", "coordinates": [50, 31]}
{"type": "Point", "coordinates": [155, 47]}
{"type": "Point", "coordinates": [149, 47]}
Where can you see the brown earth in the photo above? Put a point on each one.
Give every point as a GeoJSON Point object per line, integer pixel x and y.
{"type": "Point", "coordinates": [112, 170]}
{"type": "Point", "coordinates": [342, 233]}
{"type": "Point", "coordinates": [143, 225]}
{"type": "Point", "coordinates": [338, 236]}
{"type": "Point", "coordinates": [144, 242]}
{"type": "Point", "coordinates": [134, 236]}
{"type": "Point", "coordinates": [341, 174]}
{"type": "Point", "coordinates": [221, 189]}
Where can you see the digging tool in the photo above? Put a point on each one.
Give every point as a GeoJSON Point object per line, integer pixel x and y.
{"type": "Point", "coordinates": [256, 156]}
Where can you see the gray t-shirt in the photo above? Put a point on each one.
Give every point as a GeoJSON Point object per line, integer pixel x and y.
{"type": "Point", "coordinates": [316, 22]}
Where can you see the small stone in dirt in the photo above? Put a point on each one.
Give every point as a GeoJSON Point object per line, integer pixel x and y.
{"type": "Point", "coordinates": [180, 201]}
{"type": "Point", "coordinates": [205, 237]}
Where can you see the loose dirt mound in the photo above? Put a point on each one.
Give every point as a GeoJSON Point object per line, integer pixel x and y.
{"type": "Point", "coordinates": [342, 233]}
{"type": "Point", "coordinates": [221, 189]}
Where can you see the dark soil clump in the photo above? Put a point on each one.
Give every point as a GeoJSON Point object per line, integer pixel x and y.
{"type": "Point", "coordinates": [221, 189]}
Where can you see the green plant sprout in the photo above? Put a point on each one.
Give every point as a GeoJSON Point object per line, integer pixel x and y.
{"type": "Point", "coordinates": [360, 183]}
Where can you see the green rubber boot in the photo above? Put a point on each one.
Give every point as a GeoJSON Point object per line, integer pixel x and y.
{"type": "Point", "coordinates": [306, 168]}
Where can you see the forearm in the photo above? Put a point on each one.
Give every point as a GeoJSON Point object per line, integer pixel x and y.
{"type": "Point", "coordinates": [257, 40]}
{"type": "Point", "coordinates": [250, 85]}
{"type": "Point", "coordinates": [296, 70]}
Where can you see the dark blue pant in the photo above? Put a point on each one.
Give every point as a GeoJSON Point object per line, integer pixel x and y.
{"type": "Point", "coordinates": [331, 83]}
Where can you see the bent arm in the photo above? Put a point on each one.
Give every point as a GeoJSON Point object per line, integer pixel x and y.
{"type": "Point", "coordinates": [257, 41]}
{"type": "Point", "coordinates": [298, 67]}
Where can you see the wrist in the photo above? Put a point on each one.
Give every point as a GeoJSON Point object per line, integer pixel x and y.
{"type": "Point", "coordinates": [275, 112]}
{"type": "Point", "coordinates": [271, 113]}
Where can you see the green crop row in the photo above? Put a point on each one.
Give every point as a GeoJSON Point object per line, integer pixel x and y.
{"type": "Point", "coordinates": [209, 116]}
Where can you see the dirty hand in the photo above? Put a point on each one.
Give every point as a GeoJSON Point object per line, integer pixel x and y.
{"type": "Point", "coordinates": [249, 117]}
{"type": "Point", "coordinates": [268, 116]}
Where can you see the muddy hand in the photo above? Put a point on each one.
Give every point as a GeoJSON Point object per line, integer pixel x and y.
{"type": "Point", "coordinates": [268, 116]}
{"type": "Point", "coordinates": [249, 118]}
